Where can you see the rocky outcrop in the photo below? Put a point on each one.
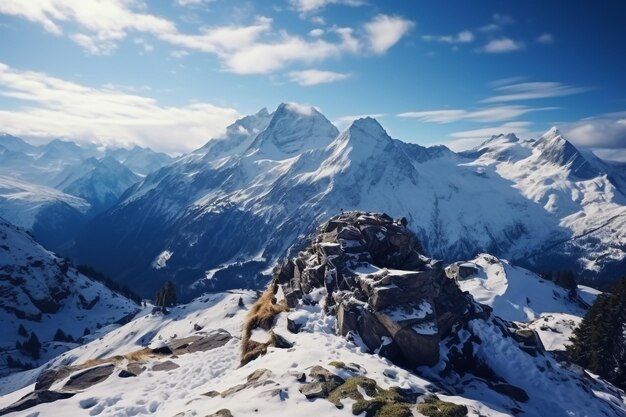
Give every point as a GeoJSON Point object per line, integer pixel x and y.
{"type": "Point", "coordinates": [379, 285]}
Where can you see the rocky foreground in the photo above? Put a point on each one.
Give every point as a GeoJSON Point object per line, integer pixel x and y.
{"type": "Point", "coordinates": [360, 322]}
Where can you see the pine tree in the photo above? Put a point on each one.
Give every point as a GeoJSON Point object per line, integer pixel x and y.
{"type": "Point", "coordinates": [22, 331]}
{"type": "Point", "coordinates": [599, 343]}
{"type": "Point", "coordinates": [32, 346]}
{"type": "Point", "coordinates": [59, 336]}
{"type": "Point", "coordinates": [166, 296]}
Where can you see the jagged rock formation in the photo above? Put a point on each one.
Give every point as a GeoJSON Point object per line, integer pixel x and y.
{"type": "Point", "coordinates": [380, 286]}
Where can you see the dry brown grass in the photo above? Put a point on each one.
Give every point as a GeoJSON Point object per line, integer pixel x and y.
{"type": "Point", "coordinates": [262, 315]}
{"type": "Point", "coordinates": [141, 355]}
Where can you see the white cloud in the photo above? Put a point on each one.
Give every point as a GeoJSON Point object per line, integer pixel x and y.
{"type": "Point", "coordinates": [498, 20]}
{"type": "Point", "coordinates": [144, 44]}
{"type": "Point", "coordinates": [315, 77]}
{"type": "Point", "coordinates": [533, 90]}
{"type": "Point", "coordinates": [469, 139]}
{"type": "Point", "coordinates": [179, 53]}
{"type": "Point", "coordinates": [58, 108]}
{"type": "Point", "coordinates": [263, 58]}
{"type": "Point", "coordinates": [185, 3]}
{"type": "Point", "coordinates": [316, 32]}
{"type": "Point", "coordinates": [256, 48]}
{"type": "Point", "coordinates": [484, 133]}
{"type": "Point", "coordinates": [490, 114]}
{"type": "Point", "coordinates": [313, 6]}
{"type": "Point", "coordinates": [607, 131]}
{"type": "Point", "coordinates": [465, 36]}
{"type": "Point", "coordinates": [385, 31]}
{"type": "Point", "coordinates": [545, 38]}
{"type": "Point", "coordinates": [502, 45]}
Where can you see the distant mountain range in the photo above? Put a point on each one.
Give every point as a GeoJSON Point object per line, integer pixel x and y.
{"type": "Point", "coordinates": [221, 215]}
{"type": "Point", "coordinates": [53, 189]}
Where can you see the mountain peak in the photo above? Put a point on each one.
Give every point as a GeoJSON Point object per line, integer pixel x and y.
{"type": "Point", "coordinates": [365, 131]}
{"type": "Point", "coordinates": [553, 132]}
{"type": "Point", "coordinates": [294, 128]}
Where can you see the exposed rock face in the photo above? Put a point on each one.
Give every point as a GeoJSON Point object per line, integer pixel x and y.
{"type": "Point", "coordinates": [379, 285]}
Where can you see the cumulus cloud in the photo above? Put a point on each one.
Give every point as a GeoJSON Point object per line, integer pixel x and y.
{"type": "Point", "coordinates": [256, 48]}
{"type": "Point", "coordinates": [385, 31]}
{"type": "Point", "coordinates": [315, 77]}
{"type": "Point", "coordinates": [533, 90]}
{"type": "Point", "coordinates": [58, 108]}
{"type": "Point", "coordinates": [502, 45]}
{"type": "Point", "coordinates": [490, 114]}
{"type": "Point", "coordinates": [465, 36]}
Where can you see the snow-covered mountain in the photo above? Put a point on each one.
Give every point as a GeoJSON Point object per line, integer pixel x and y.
{"type": "Point", "coordinates": [41, 294]}
{"type": "Point", "coordinates": [51, 215]}
{"type": "Point", "coordinates": [141, 161]}
{"type": "Point", "coordinates": [227, 210]}
{"type": "Point", "coordinates": [101, 182]}
{"type": "Point", "coordinates": [188, 362]}
{"type": "Point", "coordinates": [53, 189]}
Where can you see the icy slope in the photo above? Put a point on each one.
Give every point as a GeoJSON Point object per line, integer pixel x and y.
{"type": "Point", "coordinates": [43, 293]}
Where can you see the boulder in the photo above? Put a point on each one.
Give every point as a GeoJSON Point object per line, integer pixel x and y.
{"type": "Point", "coordinates": [88, 378]}
{"type": "Point", "coordinates": [165, 366]}
{"type": "Point", "coordinates": [35, 398]}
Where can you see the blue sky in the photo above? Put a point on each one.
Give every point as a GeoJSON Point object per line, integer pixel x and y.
{"type": "Point", "coordinates": [170, 74]}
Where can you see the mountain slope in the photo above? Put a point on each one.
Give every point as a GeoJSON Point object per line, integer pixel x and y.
{"type": "Point", "coordinates": [222, 214]}
{"type": "Point", "coordinates": [42, 293]}
{"type": "Point", "coordinates": [100, 182]}
{"type": "Point", "coordinates": [187, 362]}
{"type": "Point", "coordinates": [51, 215]}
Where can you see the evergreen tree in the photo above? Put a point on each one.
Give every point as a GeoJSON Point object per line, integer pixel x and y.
{"type": "Point", "coordinates": [32, 347]}
{"type": "Point", "coordinates": [599, 343]}
{"type": "Point", "coordinates": [22, 331]}
{"type": "Point", "coordinates": [59, 336]}
{"type": "Point", "coordinates": [166, 296]}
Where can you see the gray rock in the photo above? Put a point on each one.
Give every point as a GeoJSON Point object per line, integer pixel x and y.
{"type": "Point", "coordinates": [164, 366]}
{"type": "Point", "coordinates": [314, 390]}
{"type": "Point", "coordinates": [88, 378]}
{"type": "Point", "coordinates": [35, 398]}
{"type": "Point", "coordinates": [512, 391]}
{"type": "Point", "coordinates": [197, 343]}
{"type": "Point", "coordinates": [224, 412]}
{"type": "Point", "coordinates": [135, 368]}
{"type": "Point", "coordinates": [48, 377]}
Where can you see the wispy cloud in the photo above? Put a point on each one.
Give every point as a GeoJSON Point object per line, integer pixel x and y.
{"type": "Point", "coordinates": [509, 127]}
{"type": "Point", "coordinates": [490, 114]}
{"type": "Point", "coordinates": [545, 38]}
{"type": "Point", "coordinates": [468, 139]}
{"type": "Point", "coordinates": [498, 20]}
{"type": "Point", "coordinates": [313, 6]}
{"type": "Point", "coordinates": [502, 45]}
{"type": "Point", "coordinates": [385, 31]}
{"type": "Point", "coordinates": [315, 77]}
{"type": "Point", "coordinates": [533, 90]}
{"type": "Point", "coordinates": [465, 36]}
{"type": "Point", "coordinates": [60, 108]}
